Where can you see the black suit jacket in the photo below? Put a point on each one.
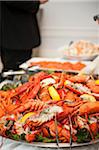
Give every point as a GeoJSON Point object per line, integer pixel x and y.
{"type": "Point", "coordinates": [19, 24]}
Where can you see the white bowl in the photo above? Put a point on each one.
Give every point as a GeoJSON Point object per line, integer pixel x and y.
{"type": "Point", "coordinates": [81, 58]}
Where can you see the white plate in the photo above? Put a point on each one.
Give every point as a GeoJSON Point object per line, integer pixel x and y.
{"type": "Point", "coordinates": [81, 58]}
{"type": "Point", "coordinates": [26, 65]}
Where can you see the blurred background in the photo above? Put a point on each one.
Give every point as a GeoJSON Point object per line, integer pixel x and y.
{"type": "Point", "coordinates": [62, 21]}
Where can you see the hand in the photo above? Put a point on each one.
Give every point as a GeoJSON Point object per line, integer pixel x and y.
{"type": "Point", "coordinates": [43, 1]}
{"type": "Point", "coordinates": [97, 21]}
{"type": "Point", "coordinates": [96, 18]}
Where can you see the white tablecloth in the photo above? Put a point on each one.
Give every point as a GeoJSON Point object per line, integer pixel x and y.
{"type": "Point", "coordinates": [11, 145]}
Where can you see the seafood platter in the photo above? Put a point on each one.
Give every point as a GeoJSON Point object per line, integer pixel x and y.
{"type": "Point", "coordinates": [51, 109]}
{"type": "Point", "coordinates": [56, 64]}
{"type": "Point", "coordinates": [80, 50]}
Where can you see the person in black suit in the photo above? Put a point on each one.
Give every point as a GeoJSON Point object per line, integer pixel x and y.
{"type": "Point", "coordinates": [19, 32]}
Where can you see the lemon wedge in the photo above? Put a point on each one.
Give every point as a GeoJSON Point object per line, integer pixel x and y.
{"type": "Point", "coordinates": [53, 93]}
{"type": "Point", "coordinates": [26, 116]}
{"type": "Point", "coordinates": [67, 82]}
{"type": "Point", "coordinates": [88, 97]}
{"type": "Point", "coordinates": [97, 82]}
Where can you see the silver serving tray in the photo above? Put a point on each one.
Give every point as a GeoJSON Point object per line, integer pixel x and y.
{"type": "Point", "coordinates": [54, 145]}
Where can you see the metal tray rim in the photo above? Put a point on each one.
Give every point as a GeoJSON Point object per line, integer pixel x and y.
{"type": "Point", "coordinates": [54, 145]}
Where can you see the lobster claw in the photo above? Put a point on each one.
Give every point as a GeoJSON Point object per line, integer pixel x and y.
{"type": "Point", "coordinates": [30, 137]}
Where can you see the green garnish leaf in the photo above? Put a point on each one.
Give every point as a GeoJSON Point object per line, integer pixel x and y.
{"type": "Point", "coordinates": [16, 137]}
{"type": "Point", "coordinates": [97, 136]}
{"type": "Point", "coordinates": [8, 86]}
{"type": "Point", "coordinates": [50, 71]}
{"type": "Point", "coordinates": [83, 135]}
{"type": "Point", "coordinates": [40, 138]}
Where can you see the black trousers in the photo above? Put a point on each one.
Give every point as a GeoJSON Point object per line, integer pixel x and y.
{"type": "Point", "coordinates": [11, 59]}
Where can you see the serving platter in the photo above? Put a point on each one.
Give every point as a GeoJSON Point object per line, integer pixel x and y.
{"type": "Point", "coordinates": [81, 58]}
{"type": "Point", "coordinates": [80, 50]}
{"type": "Point", "coordinates": [47, 145]}
{"type": "Point", "coordinates": [26, 65]}
{"type": "Point", "coordinates": [54, 145]}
